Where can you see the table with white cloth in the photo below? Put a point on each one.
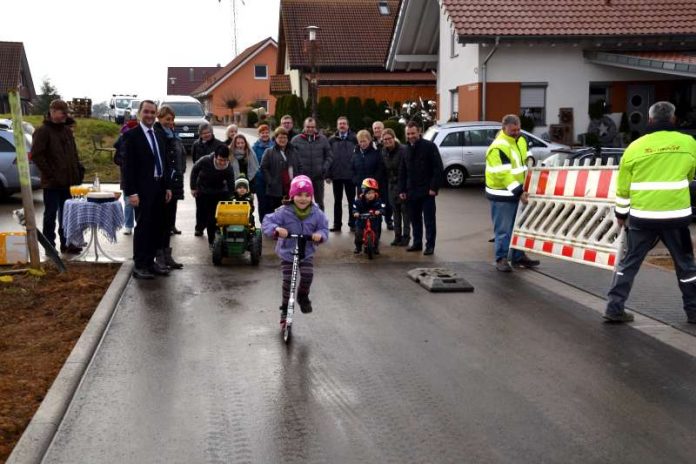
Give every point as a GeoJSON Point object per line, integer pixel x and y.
{"type": "Point", "coordinates": [80, 215]}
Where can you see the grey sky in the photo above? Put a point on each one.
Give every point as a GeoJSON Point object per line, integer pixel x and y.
{"type": "Point", "coordinates": [93, 48]}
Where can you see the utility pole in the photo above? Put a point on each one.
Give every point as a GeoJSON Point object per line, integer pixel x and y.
{"type": "Point", "coordinates": [25, 179]}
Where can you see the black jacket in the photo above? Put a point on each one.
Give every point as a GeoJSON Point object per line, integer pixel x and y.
{"type": "Point", "coordinates": [273, 164]}
{"type": "Point", "coordinates": [420, 170]}
{"type": "Point", "coordinates": [342, 150]}
{"type": "Point", "coordinates": [208, 180]}
{"type": "Point", "coordinates": [55, 154]}
{"type": "Point", "coordinates": [367, 164]}
{"type": "Point", "coordinates": [199, 149]}
{"type": "Point", "coordinates": [392, 162]}
{"type": "Point", "coordinates": [139, 163]}
{"type": "Point", "coordinates": [313, 154]}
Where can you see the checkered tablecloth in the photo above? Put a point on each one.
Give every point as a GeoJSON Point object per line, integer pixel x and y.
{"type": "Point", "coordinates": [80, 215]}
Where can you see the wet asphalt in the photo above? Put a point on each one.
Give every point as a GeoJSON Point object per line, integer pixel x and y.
{"type": "Point", "coordinates": [192, 368]}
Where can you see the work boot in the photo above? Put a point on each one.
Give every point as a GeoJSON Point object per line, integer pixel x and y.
{"type": "Point", "coordinates": [169, 261]}
{"type": "Point", "coordinates": [502, 265]}
{"type": "Point", "coordinates": [526, 261]}
{"type": "Point", "coordinates": [396, 241]}
{"type": "Point", "coordinates": [619, 318]}
{"type": "Point", "coordinates": [305, 304]}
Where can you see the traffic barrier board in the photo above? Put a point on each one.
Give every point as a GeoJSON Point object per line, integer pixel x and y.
{"type": "Point", "coordinates": [570, 214]}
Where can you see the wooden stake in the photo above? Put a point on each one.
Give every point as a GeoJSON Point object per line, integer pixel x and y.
{"type": "Point", "coordinates": [25, 180]}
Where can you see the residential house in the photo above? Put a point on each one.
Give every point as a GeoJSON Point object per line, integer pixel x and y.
{"type": "Point", "coordinates": [550, 60]}
{"type": "Point", "coordinates": [15, 73]}
{"type": "Point", "coordinates": [349, 55]}
{"type": "Point", "coordinates": [184, 80]}
{"type": "Point", "coordinates": [243, 83]}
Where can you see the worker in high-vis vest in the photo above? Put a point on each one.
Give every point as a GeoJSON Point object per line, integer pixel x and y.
{"type": "Point", "coordinates": [506, 169]}
{"type": "Point", "coordinates": [653, 199]}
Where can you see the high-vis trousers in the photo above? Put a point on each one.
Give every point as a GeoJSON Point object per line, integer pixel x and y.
{"type": "Point", "coordinates": [639, 243]}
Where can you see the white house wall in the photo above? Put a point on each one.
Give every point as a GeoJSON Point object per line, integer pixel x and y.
{"type": "Point", "coordinates": [453, 72]}
{"type": "Point", "coordinates": [565, 71]}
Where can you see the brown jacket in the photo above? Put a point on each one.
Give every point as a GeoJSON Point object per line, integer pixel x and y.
{"type": "Point", "coordinates": [55, 154]}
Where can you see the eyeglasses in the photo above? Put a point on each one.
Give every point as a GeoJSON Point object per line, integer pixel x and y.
{"type": "Point", "coordinates": [384, 139]}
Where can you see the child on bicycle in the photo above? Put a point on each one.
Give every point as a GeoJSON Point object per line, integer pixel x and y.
{"type": "Point", "coordinates": [300, 216]}
{"type": "Point", "coordinates": [242, 193]}
{"type": "Point", "coordinates": [368, 201]}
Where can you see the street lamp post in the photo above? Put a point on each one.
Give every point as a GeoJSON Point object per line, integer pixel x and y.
{"type": "Point", "coordinates": [313, 84]}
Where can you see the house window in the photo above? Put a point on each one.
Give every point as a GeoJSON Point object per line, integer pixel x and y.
{"type": "Point", "coordinates": [260, 71]}
{"type": "Point", "coordinates": [454, 105]}
{"type": "Point", "coordinates": [453, 45]}
{"type": "Point", "coordinates": [533, 102]}
{"type": "Point", "coordinates": [383, 8]}
{"type": "Point", "coordinates": [599, 96]}
{"type": "Point", "coordinates": [261, 104]}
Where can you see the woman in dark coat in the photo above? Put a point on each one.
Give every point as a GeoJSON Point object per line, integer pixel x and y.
{"type": "Point", "coordinates": [279, 166]}
{"type": "Point", "coordinates": [367, 160]}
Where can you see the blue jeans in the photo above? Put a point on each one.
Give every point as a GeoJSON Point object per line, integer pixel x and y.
{"type": "Point", "coordinates": [503, 215]}
{"type": "Point", "coordinates": [129, 213]}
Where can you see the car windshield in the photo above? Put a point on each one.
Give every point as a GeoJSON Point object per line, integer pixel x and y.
{"type": "Point", "coordinates": [186, 109]}
{"type": "Point", "coordinates": [121, 102]}
{"type": "Point", "coordinates": [134, 104]}
{"type": "Point", "coordinates": [430, 134]}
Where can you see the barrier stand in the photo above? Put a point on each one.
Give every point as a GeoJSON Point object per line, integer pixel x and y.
{"type": "Point", "coordinates": [570, 214]}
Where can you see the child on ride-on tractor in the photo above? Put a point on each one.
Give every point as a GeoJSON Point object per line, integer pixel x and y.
{"type": "Point", "coordinates": [368, 201]}
{"type": "Point", "coordinates": [300, 216]}
{"type": "Point", "coordinates": [242, 193]}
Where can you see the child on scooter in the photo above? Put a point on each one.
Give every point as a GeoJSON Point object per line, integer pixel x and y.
{"type": "Point", "coordinates": [367, 201]}
{"type": "Point", "coordinates": [300, 216]}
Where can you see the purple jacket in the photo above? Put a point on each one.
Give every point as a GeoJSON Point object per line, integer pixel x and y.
{"type": "Point", "coordinates": [286, 218]}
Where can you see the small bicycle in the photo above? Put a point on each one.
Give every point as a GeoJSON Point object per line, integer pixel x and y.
{"type": "Point", "coordinates": [297, 255]}
{"type": "Point", "coordinates": [369, 238]}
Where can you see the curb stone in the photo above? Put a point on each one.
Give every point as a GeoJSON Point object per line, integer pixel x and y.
{"type": "Point", "coordinates": [38, 435]}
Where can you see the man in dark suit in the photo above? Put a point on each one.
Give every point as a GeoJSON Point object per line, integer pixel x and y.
{"type": "Point", "coordinates": [146, 184]}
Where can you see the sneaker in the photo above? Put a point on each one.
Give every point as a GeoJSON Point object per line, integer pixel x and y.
{"type": "Point", "coordinates": [526, 261]}
{"type": "Point", "coordinates": [127, 230]}
{"type": "Point", "coordinates": [305, 304]}
{"type": "Point", "coordinates": [502, 265]}
{"type": "Point", "coordinates": [619, 318]}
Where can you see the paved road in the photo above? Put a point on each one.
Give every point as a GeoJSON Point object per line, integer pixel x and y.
{"type": "Point", "coordinates": [192, 367]}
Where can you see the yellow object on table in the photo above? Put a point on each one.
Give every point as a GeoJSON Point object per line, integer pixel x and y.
{"type": "Point", "coordinates": [232, 213]}
{"type": "Point", "coordinates": [79, 191]}
{"type": "Point", "coordinates": [13, 248]}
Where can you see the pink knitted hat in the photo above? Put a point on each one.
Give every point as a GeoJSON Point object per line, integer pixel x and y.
{"type": "Point", "coordinates": [301, 184]}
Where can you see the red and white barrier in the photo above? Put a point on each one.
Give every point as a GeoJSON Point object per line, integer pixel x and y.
{"type": "Point", "coordinates": [570, 215]}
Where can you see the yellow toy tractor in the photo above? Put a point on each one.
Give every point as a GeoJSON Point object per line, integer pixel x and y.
{"type": "Point", "coordinates": [236, 233]}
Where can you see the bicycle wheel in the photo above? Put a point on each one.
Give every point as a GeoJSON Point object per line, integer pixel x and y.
{"type": "Point", "coordinates": [370, 246]}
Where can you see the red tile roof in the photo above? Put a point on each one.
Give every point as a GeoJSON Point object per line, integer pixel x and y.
{"type": "Point", "coordinates": [280, 84]}
{"type": "Point", "coordinates": [10, 65]}
{"type": "Point", "coordinates": [353, 33]}
{"type": "Point", "coordinates": [574, 18]}
{"type": "Point", "coordinates": [239, 59]}
{"type": "Point", "coordinates": [376, 77]}
{"type": "Point", "coordinates": [179, 80]}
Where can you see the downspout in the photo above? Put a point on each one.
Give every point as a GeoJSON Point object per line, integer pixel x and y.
{"type": "Point", "coordinates": [484, 78]}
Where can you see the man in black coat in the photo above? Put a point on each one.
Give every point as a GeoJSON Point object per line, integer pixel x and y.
{"type": "Point", "coordinates": [420, 178]}
{"type": "Point", "coordinates": [146, 185]}
{"type": "Point", "coordinates": [343, 145]}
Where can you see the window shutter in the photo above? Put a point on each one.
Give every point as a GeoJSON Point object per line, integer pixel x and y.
{"type": "Point", "coordinates": [532, 97]}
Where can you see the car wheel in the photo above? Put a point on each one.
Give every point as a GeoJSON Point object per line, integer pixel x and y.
{"type": "Point", "coordinates": [455, 176]}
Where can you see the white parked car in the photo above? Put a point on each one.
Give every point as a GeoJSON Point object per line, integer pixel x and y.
{"type": "Point", "coordinates": [463, 147]}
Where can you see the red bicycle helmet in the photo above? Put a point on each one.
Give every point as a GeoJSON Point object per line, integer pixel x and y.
{"type": "Point", "coordinates": [370, 184]}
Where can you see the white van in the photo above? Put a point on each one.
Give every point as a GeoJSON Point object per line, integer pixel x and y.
{"type": "Point", "coordinates": [118, 106]}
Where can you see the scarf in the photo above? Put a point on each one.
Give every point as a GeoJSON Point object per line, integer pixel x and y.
{"type": "Point", "coordinates": [302, 214]}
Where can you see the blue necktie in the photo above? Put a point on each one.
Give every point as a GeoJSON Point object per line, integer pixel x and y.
{"type": "Point", "coordinates": [158, 162]}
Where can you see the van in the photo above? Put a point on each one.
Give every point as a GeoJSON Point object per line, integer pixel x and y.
{"type": "Point", "coordinates": [118, 106]}
{"type": "Point", "coordinates": [189, 117]}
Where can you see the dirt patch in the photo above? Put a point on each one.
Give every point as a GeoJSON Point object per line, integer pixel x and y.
{"type": "Point", "coordinates": [664, 262]}
{"type": "Point", "coordinates": [41, 319]}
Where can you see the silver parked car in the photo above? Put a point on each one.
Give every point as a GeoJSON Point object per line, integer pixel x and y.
{"type": "Point", "coordinates": [9, 174]}
{"type": "Point", "coordinates": [463, 147]}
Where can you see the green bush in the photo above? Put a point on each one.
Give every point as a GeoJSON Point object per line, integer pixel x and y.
{"type": "Point", "coordinates": [354, 113]}
{"type": "Point", "coordinates": [325, 112]}
{"type": "Point", "coordinates": [371, 110]}
{"type": "Point", "coordinates": [252, 119]}
{"type": "Point", "coordinates": [340, 107]}
{"type": "Point", "coordinates": [398, 128]}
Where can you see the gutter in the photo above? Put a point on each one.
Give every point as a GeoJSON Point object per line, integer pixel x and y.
{"type": "Point", "coordinates": [484, 78]}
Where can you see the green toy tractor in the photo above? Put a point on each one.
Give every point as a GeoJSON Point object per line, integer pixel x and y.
{"type": "Point", "coordinates": [236, 233]}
